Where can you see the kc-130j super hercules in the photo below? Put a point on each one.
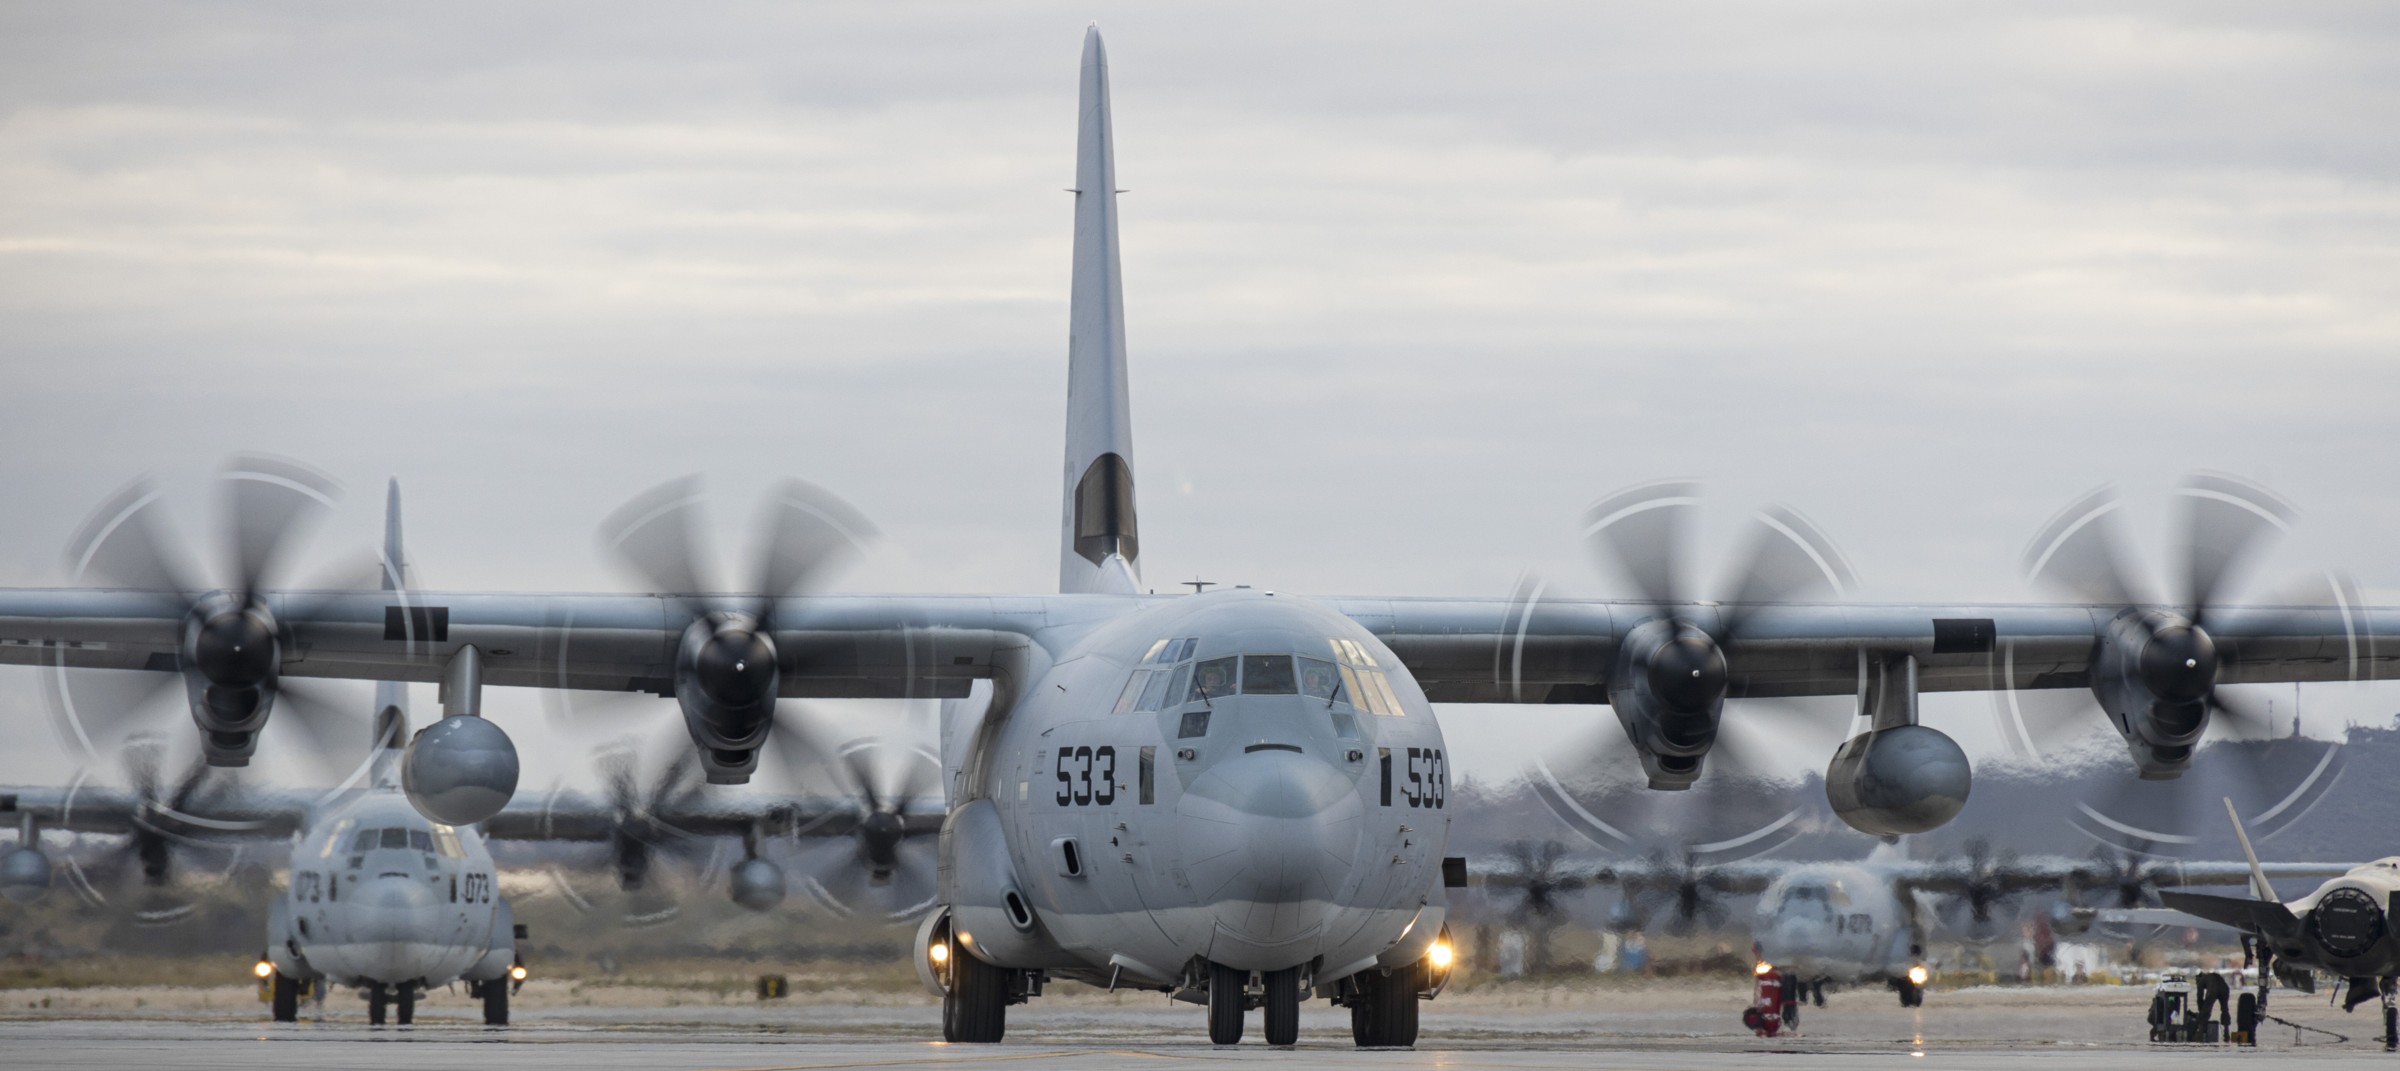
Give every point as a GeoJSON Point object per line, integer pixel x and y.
{"type": "Point", "coordinates": [1239, 797]}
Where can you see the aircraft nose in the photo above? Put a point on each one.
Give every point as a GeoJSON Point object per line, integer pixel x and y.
{"type": "Point", "coordinates": [1271, 827]}
{"type": "Point", "coordinates": [390, 909]}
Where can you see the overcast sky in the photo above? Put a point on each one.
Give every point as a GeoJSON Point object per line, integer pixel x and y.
{"type": "Point", "coordinates": [1407, 285]}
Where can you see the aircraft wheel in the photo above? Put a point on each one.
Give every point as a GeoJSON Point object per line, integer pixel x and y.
{"type": "Point", "coordinates": [1389, 1006]}
{"type": "Point", "coordinates": [495, 1002]}
{"type": "Point", "coordinates": [1225, 986]}
{"type": "Point", "coordinates": [287, 998]}
{"type": "Point", "coordinates": [2391, 1029]}
{"type": "Point", "coordinates": [1818, 991]}
{"type": "Point", "coordinates": [407, 1004]}
{"type": "Point", "coordinates": [2245, 1017]}
{"type": "Point", "coordinates": [1912, 995]}
{"type": "Point", "coordinates": [378, 999]}
{"type": "Point", "coordinates": [1791, 1013]}
{"type": "Point", "coordinates": [1283, 1006]}
{"type": "Point", "coordinates": [975, 1010]}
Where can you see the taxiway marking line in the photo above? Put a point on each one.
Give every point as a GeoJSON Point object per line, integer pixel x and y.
{"type": "Point", "coordinates": [994, 1058]}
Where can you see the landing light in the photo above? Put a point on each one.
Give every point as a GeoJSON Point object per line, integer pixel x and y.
{"type": "Point", "coordinates": [264, 969]}
{"type": "Point", "coordinates": [1440, 955]}
{"type": "Point", "coordinates": [1763, 967]}
{"type": "Point", "coordinates": [517, 973]}
{"type": "Point", "coordinates": [940, 953]}
{"type": "Point", "coordinates": [1918, 974]}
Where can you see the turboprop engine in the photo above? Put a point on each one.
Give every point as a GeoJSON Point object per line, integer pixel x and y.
{"type": "Point", "coordinates": [1669, 693]}
{"type": "Point", "coordinates": [729, 668]}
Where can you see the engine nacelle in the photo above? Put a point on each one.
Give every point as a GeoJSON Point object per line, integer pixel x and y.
{"type": "Point", "coordinates": [2154, 674]}
{"type": "Point", "coordinates": [459, 771]}
{"type": "Point", "coordinates": [727, 675]}
{"type": "Point", "coordinates": [24, 875]}
{"type": "Point", "coordinates": [230, 653]}
{"type": "Point", "coordinates": [757, 884]}
{"type": "Point", "coordinates": [1896, 781]}
{"type": "Point", "coordinates": [1668, 690]}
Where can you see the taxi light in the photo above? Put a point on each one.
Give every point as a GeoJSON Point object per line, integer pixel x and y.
{"type": "Point", "coordinates": [1918, 974]}
{"type": "Point", "coordinates": [517, 973]}
{"type": "Point", "coordinates": [940, 953]}
{"type": "Point", "coordinates": [264, 969]}
{"type": "Point", "coordinates": [1440, 955]}
{"type": "Point", "coordinates": [1762, 967]}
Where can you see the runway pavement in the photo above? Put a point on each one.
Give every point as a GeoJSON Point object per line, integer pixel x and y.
{"type": "Point", "coordinates": [1533, 1028]}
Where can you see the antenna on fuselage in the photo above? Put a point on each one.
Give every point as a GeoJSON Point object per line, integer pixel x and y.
{"type": "Point", "coordinates": [1199, 586]}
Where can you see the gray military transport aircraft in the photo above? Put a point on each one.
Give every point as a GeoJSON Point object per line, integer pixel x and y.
{"type": "Point", "coordinates": [1868, 921]}
{"type": "Point", "coordinates": [1239, 797]}
{"type": "Point", "coordinates": [380, 899]}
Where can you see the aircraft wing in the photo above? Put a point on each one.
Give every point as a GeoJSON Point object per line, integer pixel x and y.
{"type": "Point", "coordinates": [2263, 917]}
{"type": "Point", "coordinates": [582, 817]}
{"type": "Point", "coordinates": [1560, 651]}
{"type": "Point", "coordinates": [1956, 877]}
{"type": "Point", "coordinates": [934, 646]}
{"type": "Point", "coordinates": [81, 808]}
{"type": "Point", "coordinates": [1735, 878]}
{"type": "Point", "coordinates": [841, 646]}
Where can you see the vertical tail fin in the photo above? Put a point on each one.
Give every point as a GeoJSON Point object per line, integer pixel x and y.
{"type": "Point", "coordinates": [2258, 874]}
{"type": "Point", "coordinates": [1101, 549]}
{"type": "Point", "coordinates": [391, 697]}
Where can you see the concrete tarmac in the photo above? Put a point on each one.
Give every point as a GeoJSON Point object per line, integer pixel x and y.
{"type": "Point", "coordinates": [1523, 1029]}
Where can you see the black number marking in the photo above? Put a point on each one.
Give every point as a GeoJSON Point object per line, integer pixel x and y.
{"type": "Point", "coordinates": [1086, 776]}
{"type": "Point", "coordinates": [1428, 777]}
{"type": "Point", "coordinates": [478, 889]}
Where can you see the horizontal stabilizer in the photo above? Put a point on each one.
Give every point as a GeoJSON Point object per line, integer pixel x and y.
{"type": "Point", "coordinates": [2266, 918]}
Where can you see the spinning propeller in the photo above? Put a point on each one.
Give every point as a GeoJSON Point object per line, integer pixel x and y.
{"type": "Point", "coordinates": [170, 821]}
{"type": "Point", "coordinates": [1672, 677]}
{"type": "Point", "coordinates": [2157, 671]}
{"type": "Point", "coordinates": [229, 658]}
{"type": "Point", "coordinates": [734, 653]}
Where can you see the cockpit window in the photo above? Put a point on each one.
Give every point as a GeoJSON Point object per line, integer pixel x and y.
{"type": "Point", "coordinates": [1320, 679]}
{"type": "Point", "coordinates": [365, 840]}
{"type": "Point", "coordinates": [1363, 685]}
{"type": "Point", "coordinates": [1212, 679]}
{"type": "Point", "coordinates": [395, 837]}
{"type": "Point", "coordinates": [1268, 674]}
{"type": "Point", "coordinates": [421, 840]}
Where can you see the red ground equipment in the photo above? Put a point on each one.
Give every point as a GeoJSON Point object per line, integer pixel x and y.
{"type": "Point", "coordinates": [1764, 1016]}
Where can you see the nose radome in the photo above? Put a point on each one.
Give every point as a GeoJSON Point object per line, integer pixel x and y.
{"type": "Point", "coordinates": [1270, 826]}
{"type": "Point", "coordinates": [390, 909]}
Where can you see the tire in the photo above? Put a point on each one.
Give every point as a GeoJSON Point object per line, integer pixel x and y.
{"type": "Point", "coordinates": [1399, 1011]}
{"type": "Point", "coordinates": [1283, 1007]}
{"type": "Point", "coordinates": [975, 1010]}
{"type": "Point", "coordinates": [1791, 1014]}
{"type": "Point", "coordinates": [2245, 1017]}
{"type": "Point", "coordinates": [2391, 1029]}
{"type": "Point", "coordinates": [407, 1005]}
{"type": "Point", "coordinates": [287, 998]}
{"type": "Point", "coordinates": [495, 1002]}
{"type": "Point", "coordinates": [378, 999]}
{"type": "Point", "coordinates": [1225, 986]}
{"type": "Point", "coordinates": [1818, 991]}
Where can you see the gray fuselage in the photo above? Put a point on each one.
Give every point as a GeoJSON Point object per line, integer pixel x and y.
{"type": "Point", "coordinates": [1162, 806]}
{"type": "Point", "coordinates": [381, 896]}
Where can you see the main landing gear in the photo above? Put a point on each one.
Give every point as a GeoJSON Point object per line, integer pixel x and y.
{"type": "Point", "coordinates": [975, 1007]}
{"type": "Point", "coordinates": [392, 1001]}
{"type": "Point", "coordinates": [1383, 1006]}
{"type": "Point", "coordinates": [1229, 998]}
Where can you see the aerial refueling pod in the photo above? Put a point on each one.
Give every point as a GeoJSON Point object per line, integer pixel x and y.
{"type": "Point", "coordinates": [1898, 777]}
{"type": "Point", "coordinates": [462, 769]}
{"type": "Point", "coordinates": [757, 884]}
{"type": "Point", "coordinates": [24, 874]}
